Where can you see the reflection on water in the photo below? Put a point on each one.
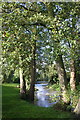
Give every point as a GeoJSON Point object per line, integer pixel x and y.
{"type": "Point", "coordinates": [43, 95]}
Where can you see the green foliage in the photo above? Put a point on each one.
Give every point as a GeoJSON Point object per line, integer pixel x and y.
{"type": "Point", "coordinates": [20, 20]}
{"type": "Point", "coordinates": [56, 87]}
{"type": "Point", "coordinates": [74, 95]}
{"type": "Point", "coordinates": [53, 26]}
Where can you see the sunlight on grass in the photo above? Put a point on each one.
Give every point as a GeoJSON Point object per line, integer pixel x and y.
{"type": "Point", "coordinates": [14, 107]}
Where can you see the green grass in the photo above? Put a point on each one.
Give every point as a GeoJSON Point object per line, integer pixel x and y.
{"type": "Point", "coordinates": [14, 107]}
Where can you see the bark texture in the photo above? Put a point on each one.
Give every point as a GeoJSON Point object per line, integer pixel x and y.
{"type": "Point", "coordinates": [33, 74]}
{"type": "Point", "coordinates": [72, 76]}
{"type": "Point", "coordinates": [61, 72]}
{"type": "Point", "coordinates": [22, 85]}
{"type": "Point", "coordinates": [77, 109]}
{"type": "Point", "coordinates": [62, 78]}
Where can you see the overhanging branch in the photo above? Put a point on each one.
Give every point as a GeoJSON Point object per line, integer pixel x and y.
{"type": "Point", "coordinates": [33, 9]}
{"type": "Point", "coordinates": [38, 24]}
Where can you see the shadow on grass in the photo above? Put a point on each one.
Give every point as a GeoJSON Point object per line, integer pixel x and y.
{"type": "Point", "coordinates": [14, 107]}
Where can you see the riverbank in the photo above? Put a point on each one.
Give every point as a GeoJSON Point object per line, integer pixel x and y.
{"type": "Point", "coordinates": [14, 107]}
{"type": "Point", "coordinates": [73, 97]}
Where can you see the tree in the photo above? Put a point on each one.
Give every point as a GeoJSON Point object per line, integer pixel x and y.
{"type": "Point", "coordinates": [22, 80]}
{"type": "Point", "coordinates": [16, 44]}
{"type": "Point", "coordinates": [24, 24]}
{"type": "Point", "coordinates": [77, 109]}
{"type": "Point", "coordinates": [59, 60]}
{"type": "Point", "coordinates": [33, 67]}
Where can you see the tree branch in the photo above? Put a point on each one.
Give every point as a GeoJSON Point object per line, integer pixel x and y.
{"type": "Point", "coordinates": [32, 9]}
{"type": "Point", "coordinates": [27, 8]}
{"type": "Point", "coordinates": [39, 24]}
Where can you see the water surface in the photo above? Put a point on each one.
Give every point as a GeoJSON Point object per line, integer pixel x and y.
{"type": "Point", "coordinates": [43, 95]}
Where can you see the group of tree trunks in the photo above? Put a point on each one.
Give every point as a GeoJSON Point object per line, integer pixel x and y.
{"type": "Point", "coordinates": [61, 74]}
{"type": "Point", "coordinates": [55, 29]}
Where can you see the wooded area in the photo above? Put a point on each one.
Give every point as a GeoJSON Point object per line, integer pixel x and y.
{"type": "Point", "coordinates": [41, 42]}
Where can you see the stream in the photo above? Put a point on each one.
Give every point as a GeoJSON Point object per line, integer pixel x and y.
{"type": "Point", "coordinates": [43, 95]}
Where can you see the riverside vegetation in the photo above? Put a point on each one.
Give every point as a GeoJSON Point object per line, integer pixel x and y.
{"type": "Point", "coordinates": [40, 41]}
{"type": "Point", "coordinates": [14, 107]}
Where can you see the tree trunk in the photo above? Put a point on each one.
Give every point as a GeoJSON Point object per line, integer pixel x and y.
{"type": "Point", "coordinates": [33, 74]}
{"type": "Point", "coordinates": [77, 109]}
{"type": "Point", "coordinates": [22, 85]}
{"type": "Point", "coordinates": [10, 77]}
{"type": "Point", "coordinates": [59, 61]}
{"type": "Point", "coordinates": [78, 68]}
{"type": "Point", "coordinates": [62, 78]}
{"type": "Point", "coordinates": [72, 76]}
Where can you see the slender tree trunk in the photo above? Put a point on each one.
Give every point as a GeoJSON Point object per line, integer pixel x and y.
{"type": "Point", "coordinates": [62, 78]}
{"type": "Point", "coordinates": [22, 85]}
{"type": "Point", "coordinates": [78, 68]}
{"type": "Point", "coordinates": [72, 69]}
{"type": "Point", "coordinates": [78, 76]}
{"type": "Point", "coordinates": [10, 77]}
{"type": "Point", "coordinates": [61, 71]}
{"type": "Point", "coordinates": [72, 76]}
{"type": "Point", "coordinates": [77, 109]}
{"type": "Point", "coordinates": [22, 81]}
{"type": "Point", "coordinates": [33, 73]}
{"type": "Point", "coordinates": [59, 61]}
{"type": "Point", "coordinates": [78, 71]}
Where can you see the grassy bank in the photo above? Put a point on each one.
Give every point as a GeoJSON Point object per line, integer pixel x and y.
{"type": "Point", "coordinates": [14, 107]}
{"type": "Point", "coordinates": [73, 96]}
